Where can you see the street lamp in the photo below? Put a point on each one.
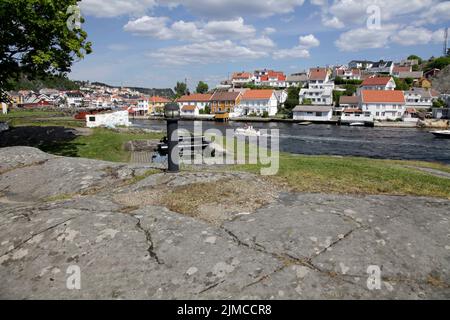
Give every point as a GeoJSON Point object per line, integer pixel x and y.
{"type": "Point", "coordinates": [172, 115]}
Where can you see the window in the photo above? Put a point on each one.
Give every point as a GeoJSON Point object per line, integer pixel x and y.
{"type": "Point", "coordinates": [91, 119]}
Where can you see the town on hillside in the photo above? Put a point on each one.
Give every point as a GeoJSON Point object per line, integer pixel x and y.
{"type": "Point", "coordinates": [359, 93]}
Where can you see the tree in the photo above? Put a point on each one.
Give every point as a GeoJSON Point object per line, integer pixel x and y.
{"type": "Point", "coordinates": [202, 87]}
{"type": "Point", "coordinates": [180, 89]}
{"type": "Point", "coordinates": [35, 39]}
{"type": "Point", "coordinates": [401, 85]}
{"type": "Point", "coordinates": [439, 63]}
{"type": "Point", "coordinates": [414, 57]}
{"type": "Point", "coordinates": [293, 98]}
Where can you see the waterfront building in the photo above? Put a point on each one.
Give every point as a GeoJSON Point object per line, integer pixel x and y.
{"type": "Point", "coordinates": [258, 102]}
{"type": "Point", "coordinates": [383, 105]}
{"type": "Point", "coordinates": [313, 113]}
{"type": "Point", "coordinates": [156, 105]}
{"type": "Point", "coordinates": [224, 103]}
{"type": "Point", "coordinates": [200, 101]}
{"type": "Point", "coordinates": [320, 88]}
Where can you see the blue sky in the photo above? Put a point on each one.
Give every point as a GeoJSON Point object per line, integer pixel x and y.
{"type": "Point", "coordinates": [155, 43]}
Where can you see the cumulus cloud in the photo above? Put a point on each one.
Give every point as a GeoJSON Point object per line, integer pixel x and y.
{"type": "Point", "coordinates": [363, 38]}
{"type": "Point", "coordinates": [205, 53]}
{"type": "Point", "coordinates": [114, 8]}
{"type": "Point", "coordinates": [159, 27]}
{"type": "Point", "coordinates": [300, 51]}
{"type": "Point", "coordinates": [261, 43]}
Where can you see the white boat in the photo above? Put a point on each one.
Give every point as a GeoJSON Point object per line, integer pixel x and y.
{"type": "Point", "coordinates": [442, 134]}
{"type": "Point", "coordinates": [357, 124]}
{"type": "Point", "coordinates": [247, 131]}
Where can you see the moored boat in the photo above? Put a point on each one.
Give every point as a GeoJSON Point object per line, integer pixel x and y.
{"type": "Point", "coordinates": [247, 131]}
{"type": "Point", "coordinates": [441, 134]}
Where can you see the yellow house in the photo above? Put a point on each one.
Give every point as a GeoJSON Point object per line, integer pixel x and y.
{"type": "Point", "coordinates": [425, 83]}
{"type": "Point", "coordinates": [157, 104]}
{"type": "Point", "coordinates": [225, 102]}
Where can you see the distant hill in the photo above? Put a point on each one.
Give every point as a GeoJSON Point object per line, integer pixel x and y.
{"type": "Point", "coordinates": [167, 93]}
{"type": "Point", "coordinates": [58, 82]}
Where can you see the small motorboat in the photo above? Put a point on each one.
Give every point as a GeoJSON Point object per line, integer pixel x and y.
{"type": "Point", "coordinates": [247, 131]}
{"type": "Point", "coordinates": [442, 134]}
{"type": "Point", "coordinates": [357, 124]}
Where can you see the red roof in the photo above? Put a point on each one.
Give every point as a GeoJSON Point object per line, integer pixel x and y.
{"type": "Point", "coordinates": [197, 97]}
{"type": "Point", "coordinates": [257, 95]}
{"type": "Point", "coordinates": [189, 108]}
{"type": "Point", "coordinates": [382, 96]}
{"type": "Point", "coordinates": [318, 74]}
{"type": "Point", "coordinates": [159, 100]}
{"type": "Point", "coordinates": [242, 75]}
{"type": "Point", "coordinates": [376, 81]}
{"type": "Point", "coordinates": [398, 69]}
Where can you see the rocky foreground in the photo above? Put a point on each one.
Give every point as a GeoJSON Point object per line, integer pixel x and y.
{"type": "Point", "coordinates": [140, 234]}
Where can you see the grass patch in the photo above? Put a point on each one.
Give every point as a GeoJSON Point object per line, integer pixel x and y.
{"type": "Point", "coordinates": [143, 176]}
{"type": "Point", "coordinates": [57, 122]}
{"type": "Point", "coordinates": [103, 144]}
{"type": "Point", "coordinates": [30, 114]}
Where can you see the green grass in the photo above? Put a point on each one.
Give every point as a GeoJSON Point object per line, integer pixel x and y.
{"type": "Point", "coordinates": [103, 144]}
{"type": "Point", "coordinates": [30, 114]}
{"type": "Point", "coordinates": [353, 175]}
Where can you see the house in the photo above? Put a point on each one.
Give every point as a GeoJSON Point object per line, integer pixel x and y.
{"type": "Point", "coordinates": [201, 101]}
{"type": "Point", "coordinates": [275, 79]}
{"type": "Point", "coordinates": [296, 80]}
{"type": "Point", "coordinates": [110, 120]}
{"type": "Point", "coordinates": [383, 105]}
{"type": "Point", "coordinates": [225, 102]}
{"type": "Point", "coordinates": [281, 96]}
{"type": "Point", "coordinates": [418, 98]}
{"type": "Point", "coordinates": [382, 67]}
{"type": "Point", "coordinates": [356, 115]}
{"type": "Point", "coordinates": [258, 102]}
{"type": "Point", "coordinates": [360, 64]}
{"type": "Point", "coordinates": [142, 107]}
{"type": "Point", "coordinates": [156, 105]}
{"type": "Point", "coordinates": [411, 75]}
{"type": "Point", "coordinates": [189, 111]}
{"type": "Point", "coordinates": [313, 113]}
{"type": "Point", "coordinates": [240, 79]}
{"type": "Point", "coordinates": [348, 74]}
{"type": "Point", "coordinates": [73, 99]}
{"type": "Point", "coordinates": [411, 115]}
{"type": "Point", "coordinates": [320, 88]}
{"type": "Point", "coordinates": [346, 102]}
{"type": "Point", "coordinates": [378, 83]}
{"type": "Point", "coordinates": [399, 69]}
{"type": "Point", "coordinates": [409, 62]}
{"type": "Point", "coordinates": [424, 83]}
{"type": "Point", "coordinates": [431, 73]}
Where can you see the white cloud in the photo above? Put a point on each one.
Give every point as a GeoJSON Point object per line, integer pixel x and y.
{"type": "Point", "coordinates": [269, 30]}
{"type": "Point", "coordinates": [158, 27]}
{"type": "Point", "coordinates": [300, 51]}
{"type": "Point", "coordinates": [332, 22]}
{"type": "Point", "coordinates": [231, 28]}
{"type": "Point", "coordinates": [437, 13]}
{"type": "Point", "coordinates": [363, 38]}
{"type": "Point", "coordinates": [206, 53]}
{"type": "Point", "coordinates": [114, 8]}
{"type": "Point", "coordinates": [261, 43]}
{"type": "Point", "coordinates": [236, 8]}
{"type": "Point", "coordinates": [309, 41]}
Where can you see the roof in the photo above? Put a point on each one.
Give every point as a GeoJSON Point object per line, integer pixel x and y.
{"type": "Point", "coordinates": [413, 75]}
{"type": "Point", "coordinates": [348, 100]}
{"type": "Point", "coordinates": [398, 69]}
{"type": "Point", "coordinates": [318, 74]}
{"type": "Point", "coordinates": [157, 99]}
{"type": "Point", "coordinates": [242, 75]}
{"type": "Point", "coordinates": [419, 91]}
{"type": "Point", "coordinates": [300, 78]}
{"type": "Point", "coordinates": [189, 108]}
{"type": "Point", "coordinates": [258, 95]}
{"type": "Point", "coordinates": [225, 96]}
{"type": "Point", "coordinates": [197, 97]}
{"type": "Point", "coordinates": [312, 109]}
{"type": "Point", "coordinates": [382, 96]}
{"type": "Point", "coordinates": [376, 81]}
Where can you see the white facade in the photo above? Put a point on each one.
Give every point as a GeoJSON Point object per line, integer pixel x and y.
{"type": "Point", "coordinates": [354, 117]}
{"type": "Point", "coordinates": [312, 113]}
{"type": "Point", "coordinates": [74, 100]}
{"type": "Point", "coordinates": [189, 111]}
{"type": "Point", "coordinates": [109, 120]}
{"type": "Point", "coordinates": [201, 105]}
{"type": "Point", "coordinates": [418, 100]}
{"type": "Point", "coordinates": [258, 107]}
{"type": "Point", "coordinates": [384, 111]}
{"type": "Point", "coordinates": [319, 92]}
{"type": "Point", "coordinates": [142, 106]}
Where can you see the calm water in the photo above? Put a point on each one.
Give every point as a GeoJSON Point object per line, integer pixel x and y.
{"type": "Point", "coordinates": [384, 143]}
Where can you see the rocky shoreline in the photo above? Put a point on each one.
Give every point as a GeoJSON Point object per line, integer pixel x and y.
{"type": "Point", "coordinates": [136, 232]}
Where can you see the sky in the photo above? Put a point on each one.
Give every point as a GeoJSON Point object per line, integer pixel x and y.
{"type": "Point", "coordinates": [155, 43]}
